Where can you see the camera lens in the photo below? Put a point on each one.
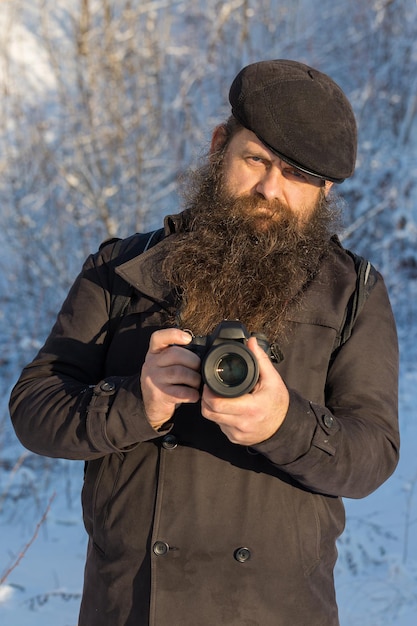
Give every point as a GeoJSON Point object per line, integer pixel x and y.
{"type": "Point", "coordinates": [230, 370]}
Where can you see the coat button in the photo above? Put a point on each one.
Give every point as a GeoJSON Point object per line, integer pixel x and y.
{"type": "Point", "coordinates": [242, 555]}
{"type": "Point", "coordinates": [328, 421]}
{"type": "Point", "coordinates": [169, 442]}
{"type": "Point", "coordinates": [107, 386]}
{"type": "Point", "coordinates": [160, 548]}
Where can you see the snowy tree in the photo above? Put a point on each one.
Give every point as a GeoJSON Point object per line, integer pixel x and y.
{"type": "Point", "coordinates": [105, 104]}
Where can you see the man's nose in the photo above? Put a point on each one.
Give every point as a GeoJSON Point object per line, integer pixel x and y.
{"type": "Point", "coordinates": [270, 186]}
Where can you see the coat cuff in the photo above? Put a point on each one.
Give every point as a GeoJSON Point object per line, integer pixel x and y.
{"type": "Point", "coordinates": [116, 420]}
{"type": "Point", "coordinates": [306, 425]}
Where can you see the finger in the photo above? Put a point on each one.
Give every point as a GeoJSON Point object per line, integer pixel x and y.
{"type": "Point", "coordinates": [166, 337]}
{"type": "Point", "coordinates": [171, 356]}
{"type": "Point", "coordinates": [180, 375]}
{"type": "Point", "coordinates": [254, 347]}
{"type": "Point", "coordinates": [263, 359]}
{"type": "Point", "coordinates": [215, 406]}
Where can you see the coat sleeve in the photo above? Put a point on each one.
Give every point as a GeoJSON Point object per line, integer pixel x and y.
{"type": "Point", "coordinates": [350, 445]}
{"type": "Point", "coordinates": [61, 406]}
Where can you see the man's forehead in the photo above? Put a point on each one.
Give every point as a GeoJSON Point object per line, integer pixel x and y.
{"type": "Point", "coordinates": [252, 142]}
{"type": "Point", "coordinates": [247, 140]}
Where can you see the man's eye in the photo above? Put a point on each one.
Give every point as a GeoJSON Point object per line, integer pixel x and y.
{"type": "Point", "coordinates": [295, 174]}
{"type": "Point", "coordinates": [255, 159]}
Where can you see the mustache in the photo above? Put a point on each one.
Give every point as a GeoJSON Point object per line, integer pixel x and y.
{"type": "Point", "coordinates": [256, 202]}
{"type": "Point", "coordinates": [226, 209]}
{"type": "Point", "coordinates": [251, 219]}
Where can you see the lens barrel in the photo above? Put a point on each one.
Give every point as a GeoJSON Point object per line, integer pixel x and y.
{"type": "Point", "coordinates": [230, 369]}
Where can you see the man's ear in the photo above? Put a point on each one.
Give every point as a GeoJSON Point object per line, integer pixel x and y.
{"type": "Point", "coordinates": [218, 138]}
{"type": "Point", "coordinates": [327, 186]}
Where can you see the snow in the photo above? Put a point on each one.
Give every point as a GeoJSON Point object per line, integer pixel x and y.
{"type": "Point", "coordinates": [376, 573]}
{"type": "Point", "coordinates": [370, 47]}
{"type": "Point", "coordinates": [45, 586]}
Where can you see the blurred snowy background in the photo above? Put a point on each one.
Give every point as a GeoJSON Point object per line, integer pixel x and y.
{"type": "Point", "coordinates": [104, 103]}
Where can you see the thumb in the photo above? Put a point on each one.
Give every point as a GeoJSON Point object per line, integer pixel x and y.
{"type": "Point", "coordinates": [269, 377]}
{"type": "Point", "coordinates": [261, 356]}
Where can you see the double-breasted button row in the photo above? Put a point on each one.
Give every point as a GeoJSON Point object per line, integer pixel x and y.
{"type": "Point", "coordinates": [161, 548]}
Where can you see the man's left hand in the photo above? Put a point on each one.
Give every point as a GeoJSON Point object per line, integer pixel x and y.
{"type": "Point", "coordinates": [254, 417]}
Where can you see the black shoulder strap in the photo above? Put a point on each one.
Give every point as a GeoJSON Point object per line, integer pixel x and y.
{"type": "Point", "coordinates": [366, 278]}
{"type": "Point", "coordinates": [120, 290]}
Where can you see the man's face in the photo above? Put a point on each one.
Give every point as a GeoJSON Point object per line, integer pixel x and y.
{"type": "Point", "coordinates": [251, 170]}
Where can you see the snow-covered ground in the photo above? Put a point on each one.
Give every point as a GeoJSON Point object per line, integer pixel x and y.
{"type": "Point", "coordinates": [42, 526]}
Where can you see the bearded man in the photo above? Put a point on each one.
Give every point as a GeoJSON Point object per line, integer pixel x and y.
{"type": "Point", "coordinates": [206, 507]}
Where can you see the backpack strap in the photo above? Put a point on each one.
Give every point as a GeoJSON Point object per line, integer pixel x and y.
{"type": "Point", "coordinates": [120, 290]}
{"type": "Point", "coordinates": [366, 278]}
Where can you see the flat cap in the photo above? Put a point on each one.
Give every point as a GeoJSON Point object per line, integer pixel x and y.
{"type": "Point", "coordinates": [300, 114]}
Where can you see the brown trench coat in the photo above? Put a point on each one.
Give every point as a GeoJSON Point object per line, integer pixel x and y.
{"type": "Point", "coordinates": [186, 528]}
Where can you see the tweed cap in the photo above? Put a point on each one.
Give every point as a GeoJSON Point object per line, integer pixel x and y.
{"type": "Point", "coordinates": [300, 114]}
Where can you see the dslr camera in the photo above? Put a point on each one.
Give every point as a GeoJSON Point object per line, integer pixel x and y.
{"type": "Point", "coordinates": [228, 367]}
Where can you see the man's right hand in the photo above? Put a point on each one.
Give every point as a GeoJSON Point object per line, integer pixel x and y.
{"type": "Point", "coordinates": [170, 375]}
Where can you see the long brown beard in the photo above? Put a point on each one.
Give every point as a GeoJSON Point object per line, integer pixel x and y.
{"type": "Point", "coordinates": [232, 261]}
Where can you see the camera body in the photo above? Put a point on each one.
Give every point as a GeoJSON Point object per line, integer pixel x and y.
{"type": "Point", "coordinates": [228, 367]}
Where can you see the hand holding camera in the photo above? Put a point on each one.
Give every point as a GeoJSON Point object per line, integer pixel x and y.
{"type": "Point", "coordinates": [253, 417]}
{"type": "Point", "coordinates": [243, 392]}
{"type": "Point", "coordinates": [228, 367]}
{"type": "Point", "coordinates": [170, 375]}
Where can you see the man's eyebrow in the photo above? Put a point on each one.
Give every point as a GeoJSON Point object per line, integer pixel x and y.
{"type": "Point", "coordinates": [258, 150]}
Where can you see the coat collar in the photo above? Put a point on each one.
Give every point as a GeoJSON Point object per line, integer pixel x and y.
{"type": "Point", "coordinates": [143, 271]}
{"type": "Point", "coordinates": [322, 303]}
